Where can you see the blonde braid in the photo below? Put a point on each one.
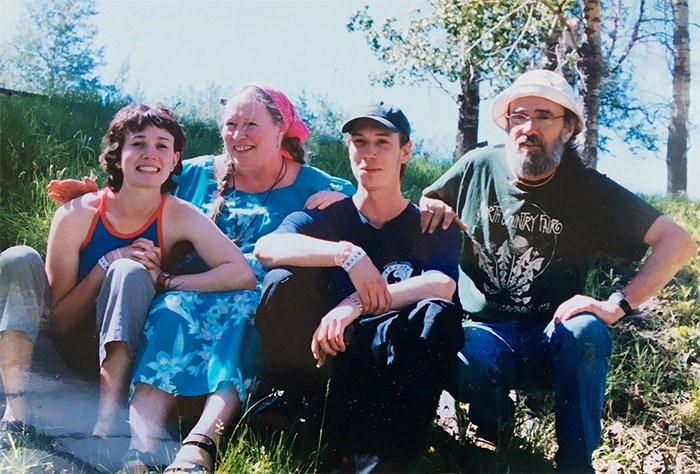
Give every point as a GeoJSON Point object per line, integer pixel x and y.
{"type": "Point", "coordinates": [221, 183]}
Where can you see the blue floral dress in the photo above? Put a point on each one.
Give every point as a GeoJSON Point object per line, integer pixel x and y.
{"type": "Point", "coordinates": [195, 342]}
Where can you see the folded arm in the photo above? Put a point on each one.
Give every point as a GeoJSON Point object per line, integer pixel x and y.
{"type": "Point", "coordinates": [229, 270]}
{"type": "Point", "coordinates": [277, 250]}
{"type": "Point", "coordinates": [328, 337]}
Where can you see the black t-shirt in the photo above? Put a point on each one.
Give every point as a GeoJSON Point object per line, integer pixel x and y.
{"type": "Point", "coordinates": [398, 249]}
{"type": "Point", "coordinates": [528, 249]}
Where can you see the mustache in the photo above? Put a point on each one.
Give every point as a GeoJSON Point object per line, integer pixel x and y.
{"type": "Point", "coordinates": [529, 140]}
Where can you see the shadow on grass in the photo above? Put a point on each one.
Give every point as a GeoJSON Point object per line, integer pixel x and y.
{"type": "Point", "coordinates": [442, 452]}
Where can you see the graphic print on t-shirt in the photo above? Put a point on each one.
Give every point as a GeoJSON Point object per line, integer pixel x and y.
{"type": "Point", "coordinates": [395, 272]}
{"type": "Point", "coordinates": [521, 242]}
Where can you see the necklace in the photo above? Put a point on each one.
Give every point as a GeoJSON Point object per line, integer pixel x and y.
{"type": "Point", "coordinates": [238, 240]}
{"type": "Point", "coordinates": [534, 184]}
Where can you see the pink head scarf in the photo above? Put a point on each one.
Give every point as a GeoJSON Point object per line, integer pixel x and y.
{"type": "Point", "coordinates": [294, 127]}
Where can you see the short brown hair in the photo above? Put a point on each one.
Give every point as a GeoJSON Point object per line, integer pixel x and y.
{"type": "Point", "coordinates": [135, 118]}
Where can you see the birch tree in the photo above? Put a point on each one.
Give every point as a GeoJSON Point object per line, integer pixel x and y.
{"type": "Point", "coordinates": [677, 149]}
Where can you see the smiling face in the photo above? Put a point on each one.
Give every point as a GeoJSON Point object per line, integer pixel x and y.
{"type": "Point", "coordinates": [250, 134]}
{"type": "Point", "coordinates": [376, 155]}
{"type": "Point", "coordinates": [148, 157]}
{"type": "Point", "coordinates": [534, 148]}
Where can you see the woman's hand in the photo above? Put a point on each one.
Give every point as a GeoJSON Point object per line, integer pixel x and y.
{"type": "Point", "coordinates": [66, 190]}
{"type": "Point", "coordinates": [370, 286]}
{"type": "Point", "coordinates": [146, 253]}
{"type": "Point", "coordinates": [434, 212]}
{"type": "Point", "coordinates": [323, 199]}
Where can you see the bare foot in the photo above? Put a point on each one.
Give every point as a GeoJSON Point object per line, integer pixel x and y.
{"type": "Point", "coordinates": [135, 463]}
{"type": "Point", "coordinates": [103, 428]}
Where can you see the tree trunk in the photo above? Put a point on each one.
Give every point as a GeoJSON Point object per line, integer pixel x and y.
{"type": "Point", "coordinates": [590, 62]}
{"type": "Point", "coordinates": [677, 150]}
{"type": "Point", "coordinates": [468, 105]}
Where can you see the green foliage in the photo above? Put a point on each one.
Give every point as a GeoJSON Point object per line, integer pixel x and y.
{"type": "Point", "coordinates": [500, 38]}
{"type": "Point", "coordinates": [495, 41]}
{"type": "Point", "coordinates": [43, 139]}
{"type": "Point", "coordinates": [623, 114]}
{"type": "Point", "coordinates": [254, 453]}
{"type": "Point", "coordinates": [322, 117]}
{"type": "Point", "coordinates": [202, 137]}
{"type": "Point", "coordinates": [54, 51]}
{"type": "Point", "coordinates": [52, 138]}
{"type": "Point", "coordinates": [331, 155]}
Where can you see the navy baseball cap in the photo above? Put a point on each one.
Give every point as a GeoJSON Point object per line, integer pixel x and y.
{"type": "Point", "coordinates": [388, 115]}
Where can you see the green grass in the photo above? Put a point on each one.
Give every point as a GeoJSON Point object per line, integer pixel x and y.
{"type": "Point", "coordinates": [652, 410]}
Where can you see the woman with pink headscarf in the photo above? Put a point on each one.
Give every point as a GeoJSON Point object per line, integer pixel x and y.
{"type": "Point", "coordinates": [205, 343]}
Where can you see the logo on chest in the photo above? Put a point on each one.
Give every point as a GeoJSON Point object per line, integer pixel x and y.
{"type": "Point", "coordinates": [515, 243]}
{"type": "Point", "coordinates": [396, 272]}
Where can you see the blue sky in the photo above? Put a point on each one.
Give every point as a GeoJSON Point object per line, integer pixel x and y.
{"type": "Point", "coordinates": [171, 45]}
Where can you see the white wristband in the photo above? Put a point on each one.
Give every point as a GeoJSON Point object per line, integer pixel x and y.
{"type": "Point", "coordinates": [355, 256]}
{"type": "Point", "coordinates": [116, 254]}
{"type": "Point", "coordinates": [102, 261]}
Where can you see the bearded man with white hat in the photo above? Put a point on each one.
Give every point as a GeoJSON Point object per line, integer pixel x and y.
{"type": "Point", "coordinates": [534, 219]}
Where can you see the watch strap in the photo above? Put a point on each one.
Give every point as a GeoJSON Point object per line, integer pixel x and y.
{"type": "Point", "coordinates": [620, 299]}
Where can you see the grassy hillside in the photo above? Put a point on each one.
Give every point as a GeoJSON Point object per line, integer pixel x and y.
{"type": "Point", "coordinates": [652, 412]}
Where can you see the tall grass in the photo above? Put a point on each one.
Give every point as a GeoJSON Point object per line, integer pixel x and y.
{"type": "Point", "coordinates": [52, 138]}
{"type": "Point", "coordinates": [652, 411]}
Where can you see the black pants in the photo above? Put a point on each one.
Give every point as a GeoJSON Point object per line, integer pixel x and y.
{"type": "Point", "coordinates": [385, 386]}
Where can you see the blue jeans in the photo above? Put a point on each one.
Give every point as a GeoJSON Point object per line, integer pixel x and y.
{"type": "Point", "coordinates": [571, 358]}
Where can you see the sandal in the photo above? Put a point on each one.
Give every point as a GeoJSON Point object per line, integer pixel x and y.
{"type": "Point", "coordinates": [203, 442]}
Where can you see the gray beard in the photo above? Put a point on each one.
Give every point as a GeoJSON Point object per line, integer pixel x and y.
{"type": "Point", "coordinates": [535, 163]}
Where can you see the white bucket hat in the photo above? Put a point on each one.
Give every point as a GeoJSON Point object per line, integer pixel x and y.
{"type": "Point", "coordinates": [537, 83]}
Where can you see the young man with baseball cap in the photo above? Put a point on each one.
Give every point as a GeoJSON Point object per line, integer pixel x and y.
{"type": "Point", "coordinates": [535, 218]}
{"type": "Point", "coordinates": [372, 299]}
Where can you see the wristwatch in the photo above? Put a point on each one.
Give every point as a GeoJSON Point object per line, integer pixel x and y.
{"type": "Point", "coordinates": [620, 299]}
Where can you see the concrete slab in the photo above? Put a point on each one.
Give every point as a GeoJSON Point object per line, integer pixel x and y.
{"type": "Point", "coordinates": [64, 407]}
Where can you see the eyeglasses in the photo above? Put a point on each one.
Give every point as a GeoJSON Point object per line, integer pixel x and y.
{"type": "Point", "coordinates": [541, 121]}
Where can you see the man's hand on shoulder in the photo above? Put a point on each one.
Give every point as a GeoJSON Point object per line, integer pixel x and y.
{"type": "Point", "coordinates": [606, 311]}
{"type": "Point", "coordinates": [434, 213]}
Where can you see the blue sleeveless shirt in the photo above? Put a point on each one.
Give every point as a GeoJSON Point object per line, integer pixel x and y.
{"type": "Point", "coordinates": [101, 238]}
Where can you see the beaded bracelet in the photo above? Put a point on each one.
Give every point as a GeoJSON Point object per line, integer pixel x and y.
{"type": "Point", "coordinates": [355, 256]}
{"type": "Point", "coordinates": [354, 300]}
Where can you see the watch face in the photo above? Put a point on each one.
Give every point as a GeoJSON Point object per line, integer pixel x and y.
{"type": "Point", "coordinates": [616, 297]}
{"type": "Point", "coordinates": [620, 299]}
